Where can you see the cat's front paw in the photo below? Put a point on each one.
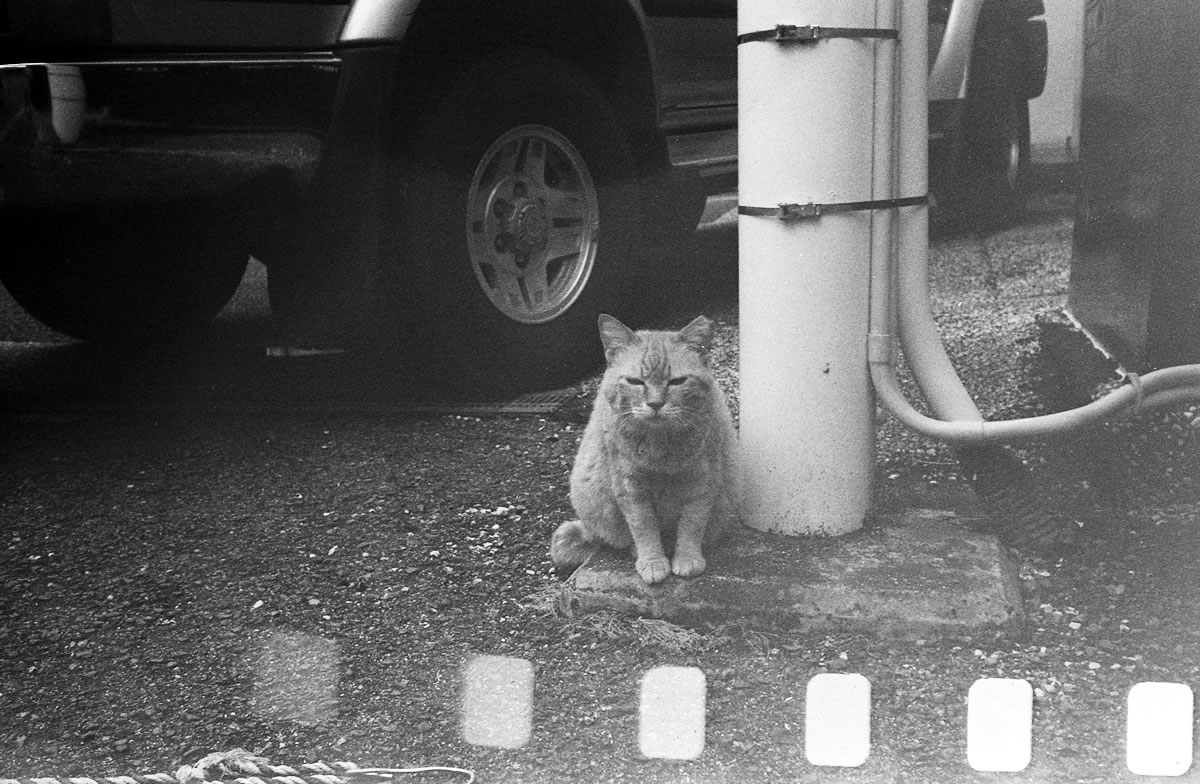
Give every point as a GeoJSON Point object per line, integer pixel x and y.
{"type": "Point", "coordinates": [688, 565]}
{"type": "Point", "coordinates": [653, 570]}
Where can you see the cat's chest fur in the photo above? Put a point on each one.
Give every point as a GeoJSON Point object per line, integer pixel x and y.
{"type": "Point", "coordinates": [653, 451]}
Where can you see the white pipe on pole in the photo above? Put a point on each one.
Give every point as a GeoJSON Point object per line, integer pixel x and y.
{"type": "Point", "coordinates": [904, 287]}
{"type": "Point", "coordinates": [948, 74]}
{"type": "Point", "coordinates": [808, 126]}
{"type": "Point", "coordinates": [805, 135]}
{"type": "Point", "coordinates": [882, 309]}
{"type": "Point", "coordinates": [923, 349]}
{"type": "Point", "coordinates": [1161, 388]}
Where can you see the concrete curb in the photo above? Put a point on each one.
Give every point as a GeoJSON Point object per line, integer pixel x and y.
{"type": "Point", "coordinates": [919, 574]}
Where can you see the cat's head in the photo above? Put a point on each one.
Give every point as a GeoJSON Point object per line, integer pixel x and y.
{"type": "Point", "coordinates": [659, 378]}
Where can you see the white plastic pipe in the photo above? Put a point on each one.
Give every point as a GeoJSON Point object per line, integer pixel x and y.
{"type": "Point", "coordinates": [904, 286]}
{"type": "Point", "coordinates": [948, 76]}
{"type": "Point", "coordinates": [1168, 387]}
{"type": "Point", "coordinates": [919, 336]}
{"type": "Point", "coordinates": [882, 307]}
{"type": "Point", "coordinates": [805, 134]}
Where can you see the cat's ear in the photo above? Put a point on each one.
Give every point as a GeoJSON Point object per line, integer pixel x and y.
{"type": "Point", "coordinates": [697, 335]}
{"type": "Point", "coordinates": [615, 336]}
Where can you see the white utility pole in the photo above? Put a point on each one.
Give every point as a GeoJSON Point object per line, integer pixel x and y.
{"type": "Point", "coordinates": [808, 71]}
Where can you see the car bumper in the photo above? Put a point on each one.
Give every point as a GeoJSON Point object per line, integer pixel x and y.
{"type": "Point", "coordinates": [75, 134]}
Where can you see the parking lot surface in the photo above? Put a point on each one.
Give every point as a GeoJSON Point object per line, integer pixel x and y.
{"type": "Point", "coordinates": [205, 551]}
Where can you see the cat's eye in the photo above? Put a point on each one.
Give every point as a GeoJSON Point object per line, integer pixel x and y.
{"type": "Point", "coordinates": [677, 381]}
{"type": "Point", "coordinates": [637, 382]}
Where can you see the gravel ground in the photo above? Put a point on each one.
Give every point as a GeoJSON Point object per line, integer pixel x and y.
{"type": "Point", "coordinates": [309, 587]}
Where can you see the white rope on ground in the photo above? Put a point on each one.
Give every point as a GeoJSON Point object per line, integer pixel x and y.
{"type": "Point", "coordinates": [241, 767]}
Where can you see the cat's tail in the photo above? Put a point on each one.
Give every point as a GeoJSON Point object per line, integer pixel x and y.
{"type": "Point", "coordinates": [570, 546]}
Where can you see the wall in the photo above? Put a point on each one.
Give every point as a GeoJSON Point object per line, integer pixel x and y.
{"type": "Point", "coordinates": [1135, 271]}
{"type": "Point", "coordinates": [1054, 115]}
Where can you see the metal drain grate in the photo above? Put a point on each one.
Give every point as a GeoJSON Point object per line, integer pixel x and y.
{"type": "Point", "coordinates": [532, 403]}
{"type": "Point", "coordinates": [546, 404]}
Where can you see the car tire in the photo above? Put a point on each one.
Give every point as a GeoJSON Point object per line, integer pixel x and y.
{"type": "Point", "coordinates": [119, 274]}
{"type": "Point", "coordinates": [993, 171]}
{"type": "Point", "coordinates": [519, 222]}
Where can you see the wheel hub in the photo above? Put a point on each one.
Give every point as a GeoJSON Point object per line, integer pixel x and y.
{"type": "Point", "coordinates": [530, 227]}
{"type": "Point", "coordinates": [523, 224]}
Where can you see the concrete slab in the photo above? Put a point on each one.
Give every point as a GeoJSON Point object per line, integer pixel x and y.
{"type": "Point", "coordinates": [918, 574]}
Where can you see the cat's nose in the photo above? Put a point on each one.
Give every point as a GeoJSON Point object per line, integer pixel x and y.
{"type": "Point", "coordinates": [656, 404]}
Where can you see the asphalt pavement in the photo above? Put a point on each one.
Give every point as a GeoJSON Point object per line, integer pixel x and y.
{"type": "Point", "coordinates": [150, 546]}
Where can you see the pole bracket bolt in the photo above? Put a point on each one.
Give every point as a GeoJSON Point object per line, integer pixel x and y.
{"type": "Point", "coordinates": [807, 34]}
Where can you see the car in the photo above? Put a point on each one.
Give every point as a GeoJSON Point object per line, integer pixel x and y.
{"type": "Point", "coordinates": [475, 177]}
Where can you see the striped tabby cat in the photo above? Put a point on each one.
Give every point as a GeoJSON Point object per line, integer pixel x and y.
{"type": "Point", "coordinates": [658, 456]}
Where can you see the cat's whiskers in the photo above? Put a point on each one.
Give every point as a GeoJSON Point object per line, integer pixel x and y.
{"type": "Point", "coordinates": [687, 418]}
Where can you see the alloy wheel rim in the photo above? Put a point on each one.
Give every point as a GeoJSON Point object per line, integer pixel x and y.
{"type": "Point", "coordinates": [532, 224]}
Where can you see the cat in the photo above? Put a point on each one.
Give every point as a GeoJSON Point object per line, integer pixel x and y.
{"type": "Point", "coordinates": [658, 455]}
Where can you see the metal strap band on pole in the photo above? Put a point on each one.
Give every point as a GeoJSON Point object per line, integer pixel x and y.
{"type": "Point", "coordinates": [804, 34]}
{"type": "Point", "coordinates": [791, 212]}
